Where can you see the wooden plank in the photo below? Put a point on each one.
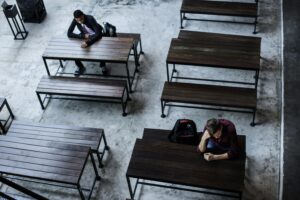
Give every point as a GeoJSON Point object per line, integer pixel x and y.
{"type": "Point", "coordinates": [220, 8]}
{"type": "Point", "coordinates": [84, 81]}
{"type": "Point", "coordinates": [86, 57]}
{"type": "Point", "coordinates": [44, 168]}
{"type": "Point", "coordinates": [26, 138]}
{"type": "Point", "coordinates": [187, 53]}
{"type": "Point", "coordinates": [57, 128]}
{"type": "Point", "coordinates": [249, 42]}
{"type": "Point", "coordinates": [209, 95]}
{"type": "Point", "coordinates": [65, 135]}
{"type": "Point", "coordinates": [51, 148]}
{"type": "Point", "coordinates": [181, 164]}
{"type": "Point", "coordinates": [40, 161]}
{"type": "Point", "coordinates": [245, 44]}
{"type": "Point", "coordinates": [32, 154]}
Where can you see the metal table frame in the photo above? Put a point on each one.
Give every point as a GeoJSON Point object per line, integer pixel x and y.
{"type": "Point", "coordinates": [188, 188]}
{"type": "Point", "coordinates": [174, 70]}
{"type": "Point", "coordinates": [64, 184]}
{"type": "Point", "coordinates": [11, 115]}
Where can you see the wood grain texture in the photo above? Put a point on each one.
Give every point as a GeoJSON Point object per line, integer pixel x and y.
{"type": "Point", "coordinates": [181, 164]}
{"type": "Point", "coordinates": [110, 49]}
{"type": "Point", "coordinates": [209, 95]}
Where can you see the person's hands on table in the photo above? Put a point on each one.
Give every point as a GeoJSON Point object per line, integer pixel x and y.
{"type": "Point", "coordinates": [84, 45]}
{"type": "Point", "coordinates": [208, 156]}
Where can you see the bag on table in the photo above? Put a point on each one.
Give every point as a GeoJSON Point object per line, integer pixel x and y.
{"type": "Point", "coordinates": [184, 132]}
{"type": "Point", "coordinates": [109, 30]}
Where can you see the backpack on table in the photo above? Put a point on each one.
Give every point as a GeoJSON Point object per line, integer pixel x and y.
{"type": "Point", "coordinates": [184, 132]}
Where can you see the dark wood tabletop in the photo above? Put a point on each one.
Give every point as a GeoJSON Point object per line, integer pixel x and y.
{"type": "Point", "coordinates": [181, 164]}
{"type": "Point", "coordinates": [109, 49]}
{"type": "Point", "coordinates": [43, 160]}
{"type": "Point", "coordinates": [247, 44]}
{"type": "Point", "coordinates": [89, 137]}
{"type": "Point", "coordinates": [216, 51]}
{"type": "Point", "coordinates": [220, 8]}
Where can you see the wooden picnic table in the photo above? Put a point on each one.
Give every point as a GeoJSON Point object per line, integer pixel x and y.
{"type": "Point", "coordinates": [107, 49]}
{"type": "Point", "coordinates": [59, 163]}
{"type": "Point", "coordinates": [214, 50]}
{"type": "Point", "coordinates": [4, 122]}
{"type": "Point", "coordinates": [159, 163]}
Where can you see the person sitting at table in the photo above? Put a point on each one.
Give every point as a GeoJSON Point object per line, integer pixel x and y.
{"type": "Point", "coordinates": [90, 32]}
{"type": "Point", "coordinates": [219, 140]}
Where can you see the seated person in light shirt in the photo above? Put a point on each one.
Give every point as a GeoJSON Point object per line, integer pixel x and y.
{"type": "Point", "coordinates": [90, 32]}
{"type": "Point", "coordinates": [219, 140]}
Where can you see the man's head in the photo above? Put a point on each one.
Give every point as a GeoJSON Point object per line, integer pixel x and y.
{"type": "Point", "coordinates": [79, 16]}
{"type": "Point", "coordinates": [214, 127]}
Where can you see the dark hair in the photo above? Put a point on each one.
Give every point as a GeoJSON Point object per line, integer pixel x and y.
{"type": "Point", "coordinates": [212, 125]}
{"type": "Point", "coordinates": [77, 13]}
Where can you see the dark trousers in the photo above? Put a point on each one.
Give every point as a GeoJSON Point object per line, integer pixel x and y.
{"type": "Point", "coordinates": [80, 65]}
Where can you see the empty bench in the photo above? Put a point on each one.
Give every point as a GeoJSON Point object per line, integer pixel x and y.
{"type": "Point", "coordinates": [83, 136]}
{"type": "Point", "coordinates": [213, 97]}
{"type": "Point", "coordinates": [137, 41]}
{"type": "Point", "coordinates": [235, 9]}
{"type": "Point", "coordinates": [88, 89]}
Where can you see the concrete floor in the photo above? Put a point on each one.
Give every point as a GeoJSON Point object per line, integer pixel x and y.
{"type": "Point", "coordinates": [21, 68]}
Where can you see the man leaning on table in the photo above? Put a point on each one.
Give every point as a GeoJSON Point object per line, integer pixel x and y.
{"type": "Point", "coordinates": [219, 140]}
{"type": "Point", "coordinates": [90, 32]}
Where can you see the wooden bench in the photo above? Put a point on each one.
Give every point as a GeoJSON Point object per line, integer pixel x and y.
{"type": "Point", "coordinates": [88, 89]}
{"type": "Point", "coordinates": [4, 123]}
{"type": "Point", "coordinates": [235, 9]}
{"type": "Point", "coordinates": [137, 41]}
{"type": "Point", "coordinates": [159, 163]}
{"type": "Point", "coordinates": [90, 137]}
{"type": "Point", "coordinates": [45, 161]}
{"type": "Point", "coordinates": [212, 96]}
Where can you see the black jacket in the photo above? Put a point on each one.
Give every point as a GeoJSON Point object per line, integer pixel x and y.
{"type": "Point", "coordinates": [91, 23]}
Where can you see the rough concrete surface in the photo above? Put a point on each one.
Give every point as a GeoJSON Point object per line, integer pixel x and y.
{"type": "Point", "coordinates": [21, 67]}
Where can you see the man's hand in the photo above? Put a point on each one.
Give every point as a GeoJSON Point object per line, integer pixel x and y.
{"type": "Point", "coordinates": [84, 45]}
{"type": "Point", "coordinates": [206, 135]}
{"type": "Point", "coordinates": [208, 156]}
{"type": "Point", "coordinates": [86, 36]}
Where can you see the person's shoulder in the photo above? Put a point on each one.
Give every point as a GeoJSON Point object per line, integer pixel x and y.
{"type": "Point", "coordinates": [226, 122]}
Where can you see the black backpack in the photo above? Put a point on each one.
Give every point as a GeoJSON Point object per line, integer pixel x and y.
{"type": "Point", "coordinates": [184, 132]}
{"type": "Point", "coordinates": [109, 30]}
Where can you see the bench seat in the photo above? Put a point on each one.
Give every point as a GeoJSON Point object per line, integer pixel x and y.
{"type": "Point", "coordinates": [90, 137]}
{"type": "Point", "coordinates": [210, 96]}
{"type": "Point", "coordinates": [92, 89]}
{"type": "Point", "coordinates": [222, 8]}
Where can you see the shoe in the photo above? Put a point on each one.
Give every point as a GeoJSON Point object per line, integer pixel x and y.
{"type": "Point", "coordinates": [79, 71]}
{"type": "Point", "coordinates": [104, 71]}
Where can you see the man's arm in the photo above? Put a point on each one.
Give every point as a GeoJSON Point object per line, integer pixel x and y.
{"type": "Point", "coordinates": [210, 156]}
{"type": "Point", "coordinates": [98, 32]}
{"type": "Point", "coordinates": [71, 29]}
{"type": "Point", "coordinates": [203, 142]}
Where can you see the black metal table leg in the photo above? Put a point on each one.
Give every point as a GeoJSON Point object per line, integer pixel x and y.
{"type": "Point", "coordinates": [46, 65]}
{"type": "Point", "coordinates": [167, 65]}
{"type": "Point", "coordinates": [129, 187]}
{"type": "Point", "coordinates": [8, 108]}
